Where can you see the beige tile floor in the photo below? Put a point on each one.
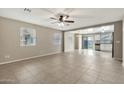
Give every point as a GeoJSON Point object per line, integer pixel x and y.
{"type": "Point", "coordinates": [84, 67]}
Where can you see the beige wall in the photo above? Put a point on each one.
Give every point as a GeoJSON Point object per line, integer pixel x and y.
{"type": "Point", "coordinates": [118, 40]}
{"type": "Point", "coordinates": [10, 41]}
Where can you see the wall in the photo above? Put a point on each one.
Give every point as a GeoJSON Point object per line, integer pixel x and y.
{"type": "Point", "coordinates": [10, 41]}
{"type": "Point", "coordinates": [118, 42]}
{"type": "Point", "coordinates": [76, 41]}
{"type": "Point", "coordinates": [68, 41]}
{"type": "Point", "coordinates": [123, 41]}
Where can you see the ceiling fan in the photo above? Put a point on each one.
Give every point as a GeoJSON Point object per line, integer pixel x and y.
{"type": "Point", "coordinates": [62, 19]}
{"type": "Point", "coordinates": [62, 16]}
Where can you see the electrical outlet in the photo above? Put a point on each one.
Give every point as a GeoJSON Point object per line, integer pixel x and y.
{"type": "Point", "coordinates": [7, 56]}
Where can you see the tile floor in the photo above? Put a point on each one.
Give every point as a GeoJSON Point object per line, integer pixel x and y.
{"type": "Point", "coordinates": [84, 67]}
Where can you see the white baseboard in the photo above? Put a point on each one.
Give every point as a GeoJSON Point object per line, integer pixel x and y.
{"type": "Point", "coordinates": [28, 58]}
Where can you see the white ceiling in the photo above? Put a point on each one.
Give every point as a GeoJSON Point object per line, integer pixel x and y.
{"type": "Point", "coordinates": [82, 16]}
{"type": "Point", "coordinates": [101, 29]}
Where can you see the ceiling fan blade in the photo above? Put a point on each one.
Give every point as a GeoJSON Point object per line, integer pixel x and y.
{"type": "Point", "coordinates": [69, 21]}
{"type": "Point", "coordinates": [53, 18]}
{"type": "Point", "coordinates": [67, 24]}
{"type": "Point", "coordinates": [55, 22]}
